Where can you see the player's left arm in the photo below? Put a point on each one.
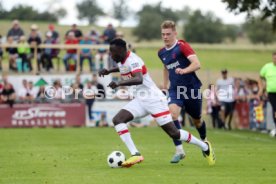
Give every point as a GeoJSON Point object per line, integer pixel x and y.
{"type": "Point", "coordinates": [137, 78]}
{"type": "Point", "coordinates": [189, 53]}
{"type": "Point", "coordinates": [194, 66]}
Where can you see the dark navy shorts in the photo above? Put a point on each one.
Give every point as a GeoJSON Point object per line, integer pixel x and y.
{"type": "Point", "coordinates": [191, 103]}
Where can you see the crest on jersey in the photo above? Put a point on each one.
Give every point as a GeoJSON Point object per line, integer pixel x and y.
{"type": "Point", "coordinates": [173, 55]}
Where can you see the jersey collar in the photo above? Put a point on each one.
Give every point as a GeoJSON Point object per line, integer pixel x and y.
{"type": "Point", "coordinates": [127, 55]}
{"type": "Point", "coordinates": [172, 45]}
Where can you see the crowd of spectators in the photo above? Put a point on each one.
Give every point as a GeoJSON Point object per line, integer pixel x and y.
{"type": "Point", "coordinates": [20, 58]}
{"type": "Point", "coordinates": [240, 106]}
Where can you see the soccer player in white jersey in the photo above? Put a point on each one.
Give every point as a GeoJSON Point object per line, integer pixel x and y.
{"type": "Point", "coordinates": [134, 73]}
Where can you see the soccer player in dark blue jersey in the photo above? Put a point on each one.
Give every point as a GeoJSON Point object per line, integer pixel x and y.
{"type": "Point", "coordinates": [180, 63]}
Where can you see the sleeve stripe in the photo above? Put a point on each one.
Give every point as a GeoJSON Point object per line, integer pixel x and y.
{"type": "Point", "coordinates": [137, 70]}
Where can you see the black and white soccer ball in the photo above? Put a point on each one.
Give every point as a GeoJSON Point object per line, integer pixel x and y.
{"type": "Point", "coordinates": [115, 159]}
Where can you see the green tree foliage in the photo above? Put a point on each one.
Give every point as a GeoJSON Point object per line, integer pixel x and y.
{"type": "Point", "coordinates": [60, 13]}
{"type": "Point", "coordinates": [150, 19]}
{"type": "Point", "coordinates": [232, 32]}
{"type": "Point", "coordinates": [267, 8]}
{"type": "Point", "coordinates": [89, 9]}
{"type": "Point", "coordinates": [184, 14]}
{"type": "Point", "coordinates": [204, 28]}
{"type": "Point", "coordinates": [259, 31]}
{"type": "Point", "coordinates": [120, 10]}
{"type": "Point", "coordinates": [23, 12]}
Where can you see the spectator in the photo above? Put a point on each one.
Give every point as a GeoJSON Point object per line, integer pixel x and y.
{"type": "Point", "coordinates": [23, 92]}
{"type": "Point", "coordinates": [31, 91]}
{"type": "Point", "coordinates": [268, 74]}
{"type": "Point", "coordinates": [76, 31]}
{"type": "Point", "coordinates": [16, 32]}
{"type": "Point", "coordinates": [94, 35]}
{"type": "Point", "coordinates": [86, 53]}
{"type": "Point", "coordinates": [58, 90]}
{"type": "Point", "coordinates": [70, 53]}
{"type": "Point", "coordinates": [102, 59]}
{"type": "Point", "coordinates": [8, 94]}
{"type": "Point", "coordinates": [78, 82]}
{"type": "Point", "coordinates": [226, 98]}
{"type": "Point", "coordinates": [28, 93]}
{"type": "Point", "coordinates": [34, 40]}
{"type": "Point", "coordinates": [75, 96]}
{"type": "Point", "coordinates": [23, 52]}
{"type": "Point", "coordinates": [109, 34]}
{"type": "Point", "coordinates": [40, 97]}
{"type": "Point", "coordinates": [253, 99]}
{"type": "Point", "coordinates": [48, 53]}
{"type": "Point", "coordinates": [1, 53]}
{"type": "Point", "coordinates": [241, 104]}
{"type": "Point", "coordinates": [213, 108]}
{"type": "Point", "coordinates": [55, 34]}
{"type": "Point", "coordinates": [100, 87]}
{"type": "Point", "coordinates": [12, 52]}
{"type": "Point", "coordinates": [90, 91]}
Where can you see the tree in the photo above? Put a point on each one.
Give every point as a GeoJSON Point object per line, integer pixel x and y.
{"type": "Point", "coordinates": [120, 10]}
{"type": "Point", "coordinates": [2, 10]}
{"type": "Point", "coordinates": [259, 31]}
{"type": "Point", "coordinates": [267, 8]}
{"type": "Point", "coordinates": [27, 13]}
{"type": "Point", "coordinates": [146, 30]}
{"type": "Point", "coordinates": [184, 14]}
{"type": "Point", "coordinates": [150, 19]}
{"type": "Point", "coordinates": [204, 28]}
{"type": "Point", "coordinates": [89, 9]}
{"type": "Point", "coordinates": [60, 13]}
{"type": "Point", "coordinates": [232, 32]}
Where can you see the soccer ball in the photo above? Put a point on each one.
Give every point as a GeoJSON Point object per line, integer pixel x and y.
{"type": "Point", "coordinates": [115, 159]}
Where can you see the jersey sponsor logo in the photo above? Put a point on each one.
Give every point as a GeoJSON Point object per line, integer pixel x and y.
{"type": "Point", "coordinates": [134, 65]}
{"type": "Point", "coordinates": [124, 69]}
{"type": "Point", "coordinates": [173, 65]}
{"type": "Point", "coordinates": [173, 55]}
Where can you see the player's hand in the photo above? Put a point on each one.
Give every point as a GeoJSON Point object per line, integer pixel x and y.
{"type": "Point", "coordinates": [103, 72]}
{"type": "Point", "coordinates": [179, 71]}
{"type": "Point", "coordinates": [113, 85]}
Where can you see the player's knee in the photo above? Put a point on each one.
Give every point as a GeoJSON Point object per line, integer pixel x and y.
{"type": "Point", "coordinates": [174, 116]}
{"type": "Point", "coordinates": [197, 122]}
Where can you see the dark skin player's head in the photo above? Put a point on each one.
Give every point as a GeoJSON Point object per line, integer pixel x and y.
{"type": "Point", "coordinates": [118, 50]}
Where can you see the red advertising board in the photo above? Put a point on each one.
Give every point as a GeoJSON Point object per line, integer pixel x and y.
{"type": "Point", "coordinates": [42, 115]}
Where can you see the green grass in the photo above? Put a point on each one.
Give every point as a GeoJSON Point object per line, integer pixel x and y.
{"type": "Point", "coordinates": [78, 155]}
{"type": "Point", "coordinates": [216, 59]}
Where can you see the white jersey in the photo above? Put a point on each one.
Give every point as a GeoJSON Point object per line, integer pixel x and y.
{"type": "Point", "coordinates": [148, 98]}
{"type": "Point", "coordinates": [133, 64]}
{"type": "Point", "coordinates": [225, 89]}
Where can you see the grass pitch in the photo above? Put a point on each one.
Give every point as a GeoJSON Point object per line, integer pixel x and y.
{"type": "Point", "coordinates": [78, 155]}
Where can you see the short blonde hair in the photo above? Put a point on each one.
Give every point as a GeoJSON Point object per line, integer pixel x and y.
{"type": "Point", "coordinates": [168, 24]}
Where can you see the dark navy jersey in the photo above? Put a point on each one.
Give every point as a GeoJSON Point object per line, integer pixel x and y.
{"type": "Point", "coordinates": [177, 57]}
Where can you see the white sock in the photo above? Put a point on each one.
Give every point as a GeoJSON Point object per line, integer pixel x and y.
{"type": "Point", "coordinates": [179, 149]}
{"type": "Point", "coordinates": [123, 132]}
{"type": "Point", "coordinates": [189, 138]}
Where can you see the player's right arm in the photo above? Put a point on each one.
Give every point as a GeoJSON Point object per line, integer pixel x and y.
{"type": "Point", "coordinates": [165, 78]}
{"type": "Point", "coordinates": [104, 71]}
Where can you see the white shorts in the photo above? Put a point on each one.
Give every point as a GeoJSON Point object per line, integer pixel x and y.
{"type": "Point", "coordinates": [157, 107]}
